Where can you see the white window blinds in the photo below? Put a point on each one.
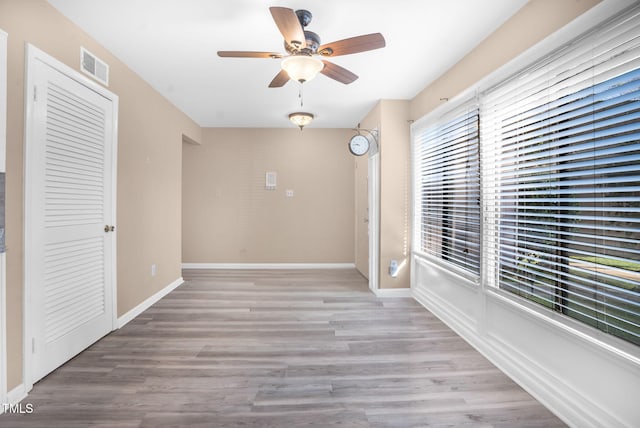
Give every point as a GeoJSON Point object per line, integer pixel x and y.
{"type": "Point", "coordinates": [447, 177]}
{"type": "Point", "coordinates": [561, 181]}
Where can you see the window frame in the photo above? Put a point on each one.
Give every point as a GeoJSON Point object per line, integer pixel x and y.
{"type": "Point", "coordinates": [438, 117]}
{"type": "Point", "coordinates": [491, 132]}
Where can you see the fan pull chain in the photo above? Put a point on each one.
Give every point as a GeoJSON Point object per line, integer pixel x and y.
{"type": "Point", "coordinates": [301, 95]}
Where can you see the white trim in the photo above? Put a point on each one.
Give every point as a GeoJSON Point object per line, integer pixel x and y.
{"type": "Point", "coordinates": [452, 316]}
{"type": "Point", "coordinates": [115, 100]}
{"type": "Point", "coordinates": [555, 394]}
{"type": "Point", "coordinates": [3, 330]}
{"type": "Point", "coordinates": [249, 266]}
{"type": "Point", "coordinates": [17, 394]}
{"type": "Point", "coordinates": [393, 292]}
{"type": "Point", "coordinates": [469, 278]}
{"type": "Point", "coordinates": [33, 54]}
{"type": "Point", "coordinates": [374, 215]}
{"type": "Point", "coordinates": [578, 331]}
{"type": "Point", "coordinates": [3, 147]}
{"type": "Point", "coordinates": [147, 303]}
{"type": "Point", "coordinates": [3, 100]}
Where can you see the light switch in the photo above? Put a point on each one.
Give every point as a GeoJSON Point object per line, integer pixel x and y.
{"type": "Point", "coordinates": [270, 180]}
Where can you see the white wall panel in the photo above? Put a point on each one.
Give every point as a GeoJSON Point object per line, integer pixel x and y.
{"type": "Point", "coordinates": [586, 382]}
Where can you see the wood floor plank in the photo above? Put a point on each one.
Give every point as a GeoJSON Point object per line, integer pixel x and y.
{"type": "Point", "coordinates": [281, 348]}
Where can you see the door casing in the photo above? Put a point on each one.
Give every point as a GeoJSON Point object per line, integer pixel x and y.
{"type": "Point", "coordinates": [3, 146]}
{"type": "Point", "coordinates": [374, 213]}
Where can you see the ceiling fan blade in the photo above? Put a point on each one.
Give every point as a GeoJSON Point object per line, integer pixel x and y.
{"type": "Point", "coordinates": [353, 45]}
{"type": "Point", "coordinates": [280, 80]}
{"type": "Point", "coordinates": [338, 73]}
{"type": "Point", "coordinates": [289, 26]}
{"type": "Point", "coordinates": [247, 54]}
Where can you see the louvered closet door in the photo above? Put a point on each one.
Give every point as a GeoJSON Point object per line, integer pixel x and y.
{"type": "Point", "coordinates": [70, 264]}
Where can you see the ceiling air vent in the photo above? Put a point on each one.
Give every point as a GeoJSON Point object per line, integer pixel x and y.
{"type": "Point", "coordinates": [94, 66]}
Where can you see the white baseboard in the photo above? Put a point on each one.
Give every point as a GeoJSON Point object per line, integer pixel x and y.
{"type": "Point", "coordinates": [561, 398]}
{"type": "Point", "coordinates": [16, 395]}
{"type": "Point", "coordinates": [19, 393]}
{"type": "Point", "coordinates": [146, 304]}
{"type": "Point", "coordinates": [393, 292]}
{"type": "Point", "coordinates": [242, 266]}
{"type": "Point", "coordinates": [555, 394]}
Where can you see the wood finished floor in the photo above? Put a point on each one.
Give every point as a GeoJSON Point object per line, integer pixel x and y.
{"type": "Point", "coordinates": [280, 349]}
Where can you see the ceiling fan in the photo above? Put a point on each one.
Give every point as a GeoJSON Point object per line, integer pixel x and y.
{"type": "Point", "coordinates": [304, 48]}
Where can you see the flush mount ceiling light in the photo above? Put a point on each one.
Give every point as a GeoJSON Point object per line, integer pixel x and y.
{"type": "Point", "coordinates": [301, 119]}
{"type": "Point", "coordinates": [302, 67]}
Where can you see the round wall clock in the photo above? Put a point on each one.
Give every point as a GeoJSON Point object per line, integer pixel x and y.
{"type": "Point", "coordinates": [359, 145]}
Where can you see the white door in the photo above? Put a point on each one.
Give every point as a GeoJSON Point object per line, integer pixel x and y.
{"type": "Point", "coordinates": [362, 215]}
{"type": "Point", "coordinates": [367, 189]}
{"type": "Point", "coordinates": [69, 189]}
{"type": "Point", "coordinates": [374, 219]}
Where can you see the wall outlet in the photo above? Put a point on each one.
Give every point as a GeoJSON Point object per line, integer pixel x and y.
{"type": "Point", "coordinates": [154, 269]}
{"type": "Point", "coordinates": [393, 268]}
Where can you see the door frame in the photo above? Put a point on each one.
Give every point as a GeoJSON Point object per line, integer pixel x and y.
{"type": "Point", "coordinates": [374, 211]}
{"type": "Point", "coordinates": [3, 146]}
{"type": "Point", "coordinates": [32, 55]}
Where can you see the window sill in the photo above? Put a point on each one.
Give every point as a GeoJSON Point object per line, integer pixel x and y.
{"type": "Point", "coordinates": [466, 277]}
{"type": "Point", "coordinates": [574, 329]}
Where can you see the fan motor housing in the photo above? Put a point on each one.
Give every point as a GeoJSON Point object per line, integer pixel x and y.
{"type": "Point", "coordinates": [304, 16]}
{"type": "Point", "coordinates": [313, 43]}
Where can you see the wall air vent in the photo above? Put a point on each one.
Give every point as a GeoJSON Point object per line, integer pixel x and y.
{"type": "Point", "coordinates": [94, 66]}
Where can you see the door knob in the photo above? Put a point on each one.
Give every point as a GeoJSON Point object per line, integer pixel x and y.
{"type": "Point", "coordinates": [108, 228]}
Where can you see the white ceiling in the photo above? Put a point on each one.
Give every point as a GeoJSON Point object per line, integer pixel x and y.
{"type": "Point", "coordinates": [172, 44]}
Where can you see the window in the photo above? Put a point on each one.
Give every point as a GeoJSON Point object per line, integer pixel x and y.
{"type": "Point", "coordinates": [561, 181]}
{"type": "Point", "coordinates": [447, 177]}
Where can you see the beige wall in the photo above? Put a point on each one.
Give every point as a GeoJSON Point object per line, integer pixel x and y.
{"type": "Point", "coordinates": [390, 117]}
{"type": "Point", "coordinates": [149, 166]}
{"type": "Point", "coordinates": [395, 185]}
{"type": "Point", "coordinates": [531, 24]}
{"type": "Point", "coordinates": [229, 217]}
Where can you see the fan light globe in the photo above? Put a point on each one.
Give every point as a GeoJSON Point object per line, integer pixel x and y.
{"type": "Point", "coordinates": [301, 119]}
{"type": "Point", "coordinates": [302, 67]}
